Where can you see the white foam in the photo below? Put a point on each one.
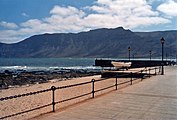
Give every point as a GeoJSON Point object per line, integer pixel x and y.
{"type": "Point", "coordinates": [31, 68]}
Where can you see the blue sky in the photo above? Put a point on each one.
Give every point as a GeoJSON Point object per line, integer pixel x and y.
{"type": "Point", "coordinates": [20, 19]}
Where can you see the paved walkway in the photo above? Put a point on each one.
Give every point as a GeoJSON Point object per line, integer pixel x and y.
{"type": "Point", "coordinates": [153, 98]}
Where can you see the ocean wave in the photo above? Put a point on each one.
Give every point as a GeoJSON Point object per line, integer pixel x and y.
{"type": "Point", "coordinates": [56, 68]}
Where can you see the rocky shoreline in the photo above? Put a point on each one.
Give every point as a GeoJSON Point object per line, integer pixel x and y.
{"type": "Point", "coordinates": [15, 79]}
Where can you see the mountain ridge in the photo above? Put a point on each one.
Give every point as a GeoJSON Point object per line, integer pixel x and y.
{"type": "Point", "coordinates": [102, 42]}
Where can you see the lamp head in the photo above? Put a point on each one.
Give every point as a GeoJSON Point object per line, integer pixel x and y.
{"type": "Point", "coordinates": [129, 48]}
{"type": "Point", "coordinates": [162, 40]}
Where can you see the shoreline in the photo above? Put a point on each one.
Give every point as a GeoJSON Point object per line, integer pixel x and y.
{"type": "Point", "coordinates": [10, 79]}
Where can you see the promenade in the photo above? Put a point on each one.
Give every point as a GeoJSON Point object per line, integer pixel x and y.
{"type": "Point", "coordinates": [153, 98]}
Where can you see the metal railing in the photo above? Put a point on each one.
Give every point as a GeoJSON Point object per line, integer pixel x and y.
{"type": "Point", "coordinates": [142, 74]}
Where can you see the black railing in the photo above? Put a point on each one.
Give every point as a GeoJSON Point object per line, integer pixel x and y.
{"type": "Point", "coordinates": [142, 74]}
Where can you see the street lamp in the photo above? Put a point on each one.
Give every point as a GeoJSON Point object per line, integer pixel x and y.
{"type": "Point", "coordinates": [162, 40]}
{"type": "Point", "coordinates": [129, 49]}
{"type": "Point", "coordinates": [150, 52]}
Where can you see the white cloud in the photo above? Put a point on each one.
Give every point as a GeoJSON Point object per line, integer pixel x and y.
{"type": "Point", "coordinates": [67, 22]}
{"type": "Point", "coordinates": [124, 7]}
{"type": "Point", "coordinates": [65, 19]}
{"type": "Point", "coordinates": [127, 13]}
{"type": "Point", "coordinates": [104, 13]}
{"type": "Point", "coordinates": [169, 8]}
{"type": "Point", "coordinates": [8, 25]}
{"type": "Point", "coordinates": [146, 21]}
{"type": "Point", "coordinates": [32, 23]}
{"type": "Point", "coordinates": [66, 11]}
{"type": "Point", "coordinates": [25, 15]}
{"type": "Point", "coordinates": [10, 36]}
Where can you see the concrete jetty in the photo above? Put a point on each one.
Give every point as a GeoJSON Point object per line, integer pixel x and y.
{"type": "Point", "coordinates": [154, 98]}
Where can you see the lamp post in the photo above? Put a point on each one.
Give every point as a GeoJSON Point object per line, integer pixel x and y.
{"type": "Point", "coordinates": [162, 40]}
{"type": "Point", "coordinates": [150, 52]}
{"type": "Point", "coordinates": [129, 49]}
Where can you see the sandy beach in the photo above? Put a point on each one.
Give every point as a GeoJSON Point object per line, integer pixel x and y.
{"type": "Point", "coordinates": [16, 105]}
{"type": "Point", "coordinates": [21, 104]}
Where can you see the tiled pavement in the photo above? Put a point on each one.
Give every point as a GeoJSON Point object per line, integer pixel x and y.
{"type": "Point", "coordinates": [153, 98]}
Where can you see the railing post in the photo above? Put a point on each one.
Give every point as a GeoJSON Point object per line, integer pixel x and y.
{"type": "Point", "coordinates": [116, 81]}
{"type": "Point", "coordinates": [93, 88]}
{"type": "Point", "coordinates": [131, 78]}
{"type": "Point", "coordinates": [149, 71]}
{"type": "Point", "coordinates": [53, 88]}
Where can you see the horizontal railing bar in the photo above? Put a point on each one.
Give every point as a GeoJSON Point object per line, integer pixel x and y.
{"type": "Point", "coordinates": [26, 111]}
{"type": "Point", "coordinates": [73, 98]}
{"type": "Point", "coordinates": [123, 82]}
{"type": "Point", "coordinates": [104, 88]}
{"type": "Point", "coordinates": [123, 75]}
{"type": "Point", "coordinates": [101, 79]}
{"type": "Point", "coordinates": [68, 86]}
{"type": "Point", "coordinates": [26, 94]}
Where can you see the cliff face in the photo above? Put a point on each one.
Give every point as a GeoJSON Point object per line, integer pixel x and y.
{"type": "Point", "coordinates": [94, 43]}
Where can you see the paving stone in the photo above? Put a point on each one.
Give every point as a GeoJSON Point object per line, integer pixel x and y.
{"type": "Point", "coordinates": [153, 98]}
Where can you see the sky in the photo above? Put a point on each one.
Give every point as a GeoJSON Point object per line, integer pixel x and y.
{"type": "Point", "coordinates": [20, 19]}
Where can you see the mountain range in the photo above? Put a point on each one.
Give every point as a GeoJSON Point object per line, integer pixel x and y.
{"type": "Point", "coordinates": [94, 43]}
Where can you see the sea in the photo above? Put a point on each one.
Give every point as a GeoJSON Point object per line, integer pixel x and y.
{"type": "Point", "coordinates": [46, 64]}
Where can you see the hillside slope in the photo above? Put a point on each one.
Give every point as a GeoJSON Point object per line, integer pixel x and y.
{"type": "Point", "coordinates": [94, 43]}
